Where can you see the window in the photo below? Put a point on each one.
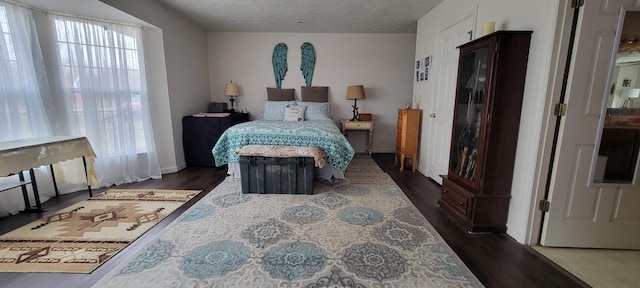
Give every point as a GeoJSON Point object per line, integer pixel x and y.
{"type": "Point", "coordinates": [100, 65]}
{"type": "Point", "coordinates": [102, 80]}
{"type": "Point", "coordinates": [22, 112]}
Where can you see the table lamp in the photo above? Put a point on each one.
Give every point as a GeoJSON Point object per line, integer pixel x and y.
{"type": "Point", "coordinates": [354, 93]}
{"type": "Point", "coordinates": [231, 90]}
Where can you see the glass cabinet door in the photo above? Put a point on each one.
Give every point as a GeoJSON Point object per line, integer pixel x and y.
{"type": "Point", "coordinates": [468, 117]}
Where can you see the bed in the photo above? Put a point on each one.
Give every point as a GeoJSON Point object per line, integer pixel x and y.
{"type": "Point", "coordinates": [289, 123]}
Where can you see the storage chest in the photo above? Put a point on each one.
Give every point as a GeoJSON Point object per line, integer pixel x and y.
{"type": "Point", "coordinates": [276, 175]}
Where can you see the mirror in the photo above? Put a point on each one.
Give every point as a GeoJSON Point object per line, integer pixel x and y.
{"type": "Point", "coordinates": [617, 158]}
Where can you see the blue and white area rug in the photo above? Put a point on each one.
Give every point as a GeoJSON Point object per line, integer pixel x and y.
{"type": "Point", "coordinates": [360, 232]}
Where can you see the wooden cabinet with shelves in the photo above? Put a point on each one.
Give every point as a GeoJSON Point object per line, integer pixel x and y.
{"type": "Point", "coordinates": [408, 130]}
{"type": "Point", "coordinates": [491, 75]}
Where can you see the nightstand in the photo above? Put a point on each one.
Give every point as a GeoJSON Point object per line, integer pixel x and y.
{"type": "Point", "coordinates": [359, 125]}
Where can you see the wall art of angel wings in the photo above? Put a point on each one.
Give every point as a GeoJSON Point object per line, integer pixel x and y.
{"type": "Point", "coordinates": [308, 62]}
{"type": "Point", "coordinates": [279, 61]}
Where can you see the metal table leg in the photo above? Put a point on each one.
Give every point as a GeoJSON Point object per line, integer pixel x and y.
{"type": "Point", "coordinates": [36, 195]}
{"type": "Point", "coordinates": [35, 189]}
{"type": "Point", "coordinates": [55, 184]}
{"type": "Point", "coordinates": [25, 195]}
{"type": "Point", "coordinates": [86, 175]}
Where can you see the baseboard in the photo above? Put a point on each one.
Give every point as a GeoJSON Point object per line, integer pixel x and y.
{"type": "Point", "coordinates": [173, 169]}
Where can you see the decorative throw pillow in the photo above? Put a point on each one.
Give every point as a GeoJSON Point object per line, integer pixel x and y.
{"type": "Point", "coordinates": [316, 110]}
{"type": "Point", "coordinates": [294, 113]}
{"type": "Point", "coordinates": [275, 94]}
{"type": "Point", "coordinates": [274, 110]}
{"type": "Point", "coordinates": [314, 94]}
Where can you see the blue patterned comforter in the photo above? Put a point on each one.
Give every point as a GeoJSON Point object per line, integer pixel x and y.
{"type": "Point", "coordinates": [323, 134]}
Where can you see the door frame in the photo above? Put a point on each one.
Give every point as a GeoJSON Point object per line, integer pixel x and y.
{"type": "Point", "coordinates": [543, 166]}
{"type": "Point", "coordinates": [558, 62]}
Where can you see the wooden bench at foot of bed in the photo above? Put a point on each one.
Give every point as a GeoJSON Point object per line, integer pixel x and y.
{"type": "Point", "coordinates": [274, 169]}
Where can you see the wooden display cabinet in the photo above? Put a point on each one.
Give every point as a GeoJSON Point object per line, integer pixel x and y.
{"type": "Point", "coordinates": [491, 75]}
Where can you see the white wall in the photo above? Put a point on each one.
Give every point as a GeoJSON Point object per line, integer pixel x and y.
{"type": "Point", "coordinates": [383, 63]}
{"type": "Point", "coordinates": [178, 74]}
{"type": "Point", "coordinates": [538, 16]}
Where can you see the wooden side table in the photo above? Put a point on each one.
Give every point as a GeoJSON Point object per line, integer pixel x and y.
{"type": "Point", "coordinates": [359, 125]}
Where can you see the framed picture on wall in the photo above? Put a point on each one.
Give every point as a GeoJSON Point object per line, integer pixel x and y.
{"type": "Point", "coordinates": [423, 66]}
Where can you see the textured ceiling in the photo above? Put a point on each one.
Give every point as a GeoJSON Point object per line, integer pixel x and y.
{"type": "Point", "coordinates": [321, 16]}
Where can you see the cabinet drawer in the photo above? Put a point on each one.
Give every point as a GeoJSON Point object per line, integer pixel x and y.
{"type": "Point", "coordinates": [357, 125]}
{"type": "Point", "coordinates": [456, 197]}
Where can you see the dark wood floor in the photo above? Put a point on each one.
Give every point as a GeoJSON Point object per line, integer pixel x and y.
{"type": "Point", "coordinates": [496, 259]}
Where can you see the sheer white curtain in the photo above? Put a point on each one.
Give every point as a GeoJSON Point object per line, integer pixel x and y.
{"type": "Point", "coordinates": [23, 82]}
{"type": "Point", "coordinates": [103, 79]}
{"type": "Point", "coordinates": [101, 71]}
{"type": "Point", "coordinates": [24, 94]}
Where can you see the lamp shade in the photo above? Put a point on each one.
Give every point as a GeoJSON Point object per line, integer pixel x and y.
{"type": "Point", "coordinates": [355, 92]}
{"type": "Point", "coordinates": [231, 89]}
{"type": "Point", "coordinates": [631, 93]}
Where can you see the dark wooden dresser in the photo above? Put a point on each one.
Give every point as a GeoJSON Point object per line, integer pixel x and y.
{"type": "Point", "coordinates": [200, 134]}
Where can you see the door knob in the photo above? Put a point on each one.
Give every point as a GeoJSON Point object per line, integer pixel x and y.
{"type": "Point", "coordinates": [432, 115]}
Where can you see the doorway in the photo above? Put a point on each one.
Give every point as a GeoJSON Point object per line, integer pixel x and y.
{"type": "Point", "coordinates": [583, 214]}
{"type": "Point", "coordinates": [442, 102]}
{"type": "Point", "coordinates": [600, 268]}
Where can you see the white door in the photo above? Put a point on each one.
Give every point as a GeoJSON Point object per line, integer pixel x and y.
{"type": "Point", "coordinates": [582, 215]}
{"type": "Point", "coordinates": [442, 102]}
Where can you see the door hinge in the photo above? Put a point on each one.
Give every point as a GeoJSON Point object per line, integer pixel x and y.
{"type": "Point", "coordinates": [545, 205]}
{"type": "Point", "coordinates": [560, 110]}
{"type": "Point", "coordinates": [577, 3]}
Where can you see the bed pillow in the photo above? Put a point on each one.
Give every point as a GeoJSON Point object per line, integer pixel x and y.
{"type": "Point", "coordinates": [275, 94]}
{"type": "Point", "coordinates": [314, 94]}
{"type": "Point", "coordinates": [274, 110]}
{"type": "Point", "coordinates": [316, 110]}
{"type": "Point", "coordinates": [294, 113]}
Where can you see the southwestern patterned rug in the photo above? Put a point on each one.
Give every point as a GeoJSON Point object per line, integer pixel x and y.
{"type": "Point", "coordinates": [81, 237]}
{"type": "Point", "coordinates": [360, 232]}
